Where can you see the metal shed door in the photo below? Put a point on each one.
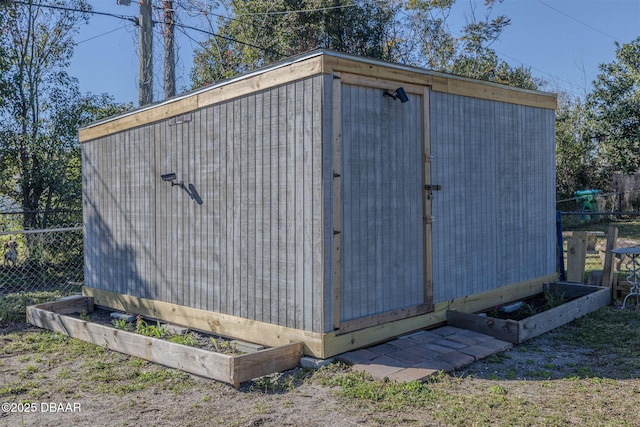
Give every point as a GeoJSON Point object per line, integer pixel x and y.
{"type": "Point", "coordinates": [385, 232]}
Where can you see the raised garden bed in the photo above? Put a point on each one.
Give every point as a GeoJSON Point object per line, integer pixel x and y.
{"type": "Point", "coordinates": [513, 327]}
{"type": "Point", "coordinates": [230, 369]}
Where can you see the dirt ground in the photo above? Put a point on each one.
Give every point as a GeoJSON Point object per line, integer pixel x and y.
{"type": "Point", "coordinates": [72, 393]}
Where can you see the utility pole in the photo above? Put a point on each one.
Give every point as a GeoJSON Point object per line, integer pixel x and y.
{"type": "Point", "coordinates": [145, 86]}
{"type": "Point", "coordinates": [169, 52]}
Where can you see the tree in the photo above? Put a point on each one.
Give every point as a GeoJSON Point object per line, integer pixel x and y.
{"type": "Point", "coordinates": [264, 31]}
{"type": "Point", "coordinates": [576, 166]}
{"type": "Point", "coordinates": [469, 54]}
{"type": "Point", "coordinates": [614, 112]}
{"type": "Point", "coordinates": [39, 116]}
{"type": "Point", "coordinates": [413, 32]}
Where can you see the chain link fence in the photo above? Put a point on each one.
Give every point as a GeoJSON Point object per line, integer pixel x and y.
{"type": "Point", "coordinates": [595, 219]}
{"type": "Point", "coordinates": [38, 265]}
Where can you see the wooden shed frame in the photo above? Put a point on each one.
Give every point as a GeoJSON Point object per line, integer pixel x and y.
{"type": "Point", "coordinates": [114, 208]}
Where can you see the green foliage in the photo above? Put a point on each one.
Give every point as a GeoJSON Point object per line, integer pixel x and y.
{"type": "Point", "coordinates": [430, 42]}
{"type": "Point", "coordinates": [40, 115]}
{"type": "Point", "coordinates": [13, 306]}
{"type": "Point", "coordinates": [186, 339]}
{"type": "Point", "coordinates": [122, 324]}
{"type": "Point", "coordinates": [264, 31]}
{"type": "Point", "coordinates": [553, 298]}
{"type": "Point", "coordinates": [602, 135]}
{"type": "Point", "coordinates": [224, 346]}
{"type": "Point", "coordinates": [614, 123]}
{"type": "Point", "coordinates": [576, 166]}
{"type": "Point", "coordinates": [388, 395]}
{"type": "Point", "coordinates": [414, 32]}
{"type": "Point", "coordinates": [155, 331]}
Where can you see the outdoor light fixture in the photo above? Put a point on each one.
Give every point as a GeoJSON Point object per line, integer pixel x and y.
{"type": "Point", "coordinates": [170, 177]}
{"type": "Point", "coordinates": [398, 94]}
{"type": "Point", "coordinates": [190, 189]}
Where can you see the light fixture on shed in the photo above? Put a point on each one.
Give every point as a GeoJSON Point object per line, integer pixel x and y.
{"type": "Point", "coordinates": [397, 94]}
{"type": "Point", "coordinates": [170, 177]}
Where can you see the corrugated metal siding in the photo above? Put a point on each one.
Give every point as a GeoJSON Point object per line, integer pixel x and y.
{"type": "Point", "coordinates": [382, 252]}
{"type": "Point", "coordinates": [253, 248]}
{"type": "Point", "coordinates": [494, 218]}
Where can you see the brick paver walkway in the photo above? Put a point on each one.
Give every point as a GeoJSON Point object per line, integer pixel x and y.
{"type": "Point", "coordinates": [421, 354]}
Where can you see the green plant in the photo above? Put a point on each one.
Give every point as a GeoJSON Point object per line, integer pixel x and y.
{"type": "Point", "coordinates": [143, 328]}
{"type": "Point", "coordinates": [497, 389]}
{"type": "Point", "coordinates": [224, 346]}
{"type": "Point", "coordinates": [122, 324]}
{"type": "Point", "coordinates": [527, 310]}
{"type": "Point", "coordinates": [186, 339]}
{"type": "Point", "coordinates": [84, 315]}
{"type": "Point", "coordinates": [554, 298]}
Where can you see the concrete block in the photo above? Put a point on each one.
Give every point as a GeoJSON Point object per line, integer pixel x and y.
{"type": "Point", "coordinates": [313, 363]}
{"type": "Point", "coordinates": [456, 359]}
{"type": "Point", "coordinates": [422, 337]}
{"type": "Point", "coordinates": [445, 330]}
{"type": "Point", "coordinates": [451, 344]}
{"type": "Point", "coordinates": [497, 345]}
{"type": "Point", "coordinates": [380, 367]}
{"type": "Point", "coordinates": [413, 374]}
{"type": "Point", "coordinates": [175, 329]}
{"type": "Point", "coordinates": [356, 356]}
{"type": "Point", "coordinates": [130, 318]}
{"type": "Point", "coordinates": [436, 365]}
{"type": "Point", "coordinates": [478, 351]}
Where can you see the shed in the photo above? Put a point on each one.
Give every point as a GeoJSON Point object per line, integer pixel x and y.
{"type": "Point", "coordinates": [330, 199]}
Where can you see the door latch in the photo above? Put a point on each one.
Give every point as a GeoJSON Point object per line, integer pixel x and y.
{"type": "Point", "coordinates": [431, 189]}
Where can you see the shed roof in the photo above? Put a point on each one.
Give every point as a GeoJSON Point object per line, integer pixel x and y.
{"type": "Point", "coordinates": [320, 61]}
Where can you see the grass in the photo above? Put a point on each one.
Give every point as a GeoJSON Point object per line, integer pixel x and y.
{"type": "Point", "coordinates": [13, 305]}
{"type": "Point", "coordinates": [601, 393]}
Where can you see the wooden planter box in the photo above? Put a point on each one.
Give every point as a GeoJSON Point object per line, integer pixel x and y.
{"type": "Point", "coordinates": [221, 367]}
{"type": "Point", "coordinates": [588, 299]}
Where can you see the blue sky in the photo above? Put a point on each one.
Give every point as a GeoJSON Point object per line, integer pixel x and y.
{"type": "Point", "coordinates": [562, 41]}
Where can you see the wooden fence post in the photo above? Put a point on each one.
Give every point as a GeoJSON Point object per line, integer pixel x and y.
{"type": "Point", "coordinates": [608, 270]}
{"type": "Point", "coordinates": [576, 256]}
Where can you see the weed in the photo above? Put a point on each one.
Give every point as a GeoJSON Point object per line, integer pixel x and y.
{"type": "Point", "coordinates": [64, 374]}
{"type": "Point", "coordinates": [155, 331]}
{"type": "Point", "coordinates": [84, 315]}
{"type": "Point", "coordinates": [122, 324]}
{"type": "Point", "coordinates": [498, 358]}
{"type": "Point", "coordinates": [545, 375]}
{"type": "Point", "coordinates": [224, 346]}
{"type": "Point", "coordinates": [13, 306]}
{"type": "Point", "coordinates": [28, 372]}
{"type": "Point", "coordinates": [186, 339]}
{"type": "Point", "coordinates": [497, 389]}
{"type": "Point", "coordinates": [527, 310]}
{"type": "Point", "coordinates": [17, 388]}
{"type": "Point", "coordinates": [261, 408]}
{"type": "Point", "coordinates": [554, 298]}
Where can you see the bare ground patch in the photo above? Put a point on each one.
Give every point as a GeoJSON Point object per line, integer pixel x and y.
{"type": "Point", "coordinates": [584, 373]}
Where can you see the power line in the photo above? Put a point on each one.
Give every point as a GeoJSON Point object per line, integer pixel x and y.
{"type": "Point", "coordinates": [231, 39]}
{"type": "Point", "coordinates": [579, 21]}
{"type": "Point", "coordinates": [319, 9]}
{"type": "Point", "coordinates": [133, 19]}
{"type": "Point", "coordinates": [100, 35]}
